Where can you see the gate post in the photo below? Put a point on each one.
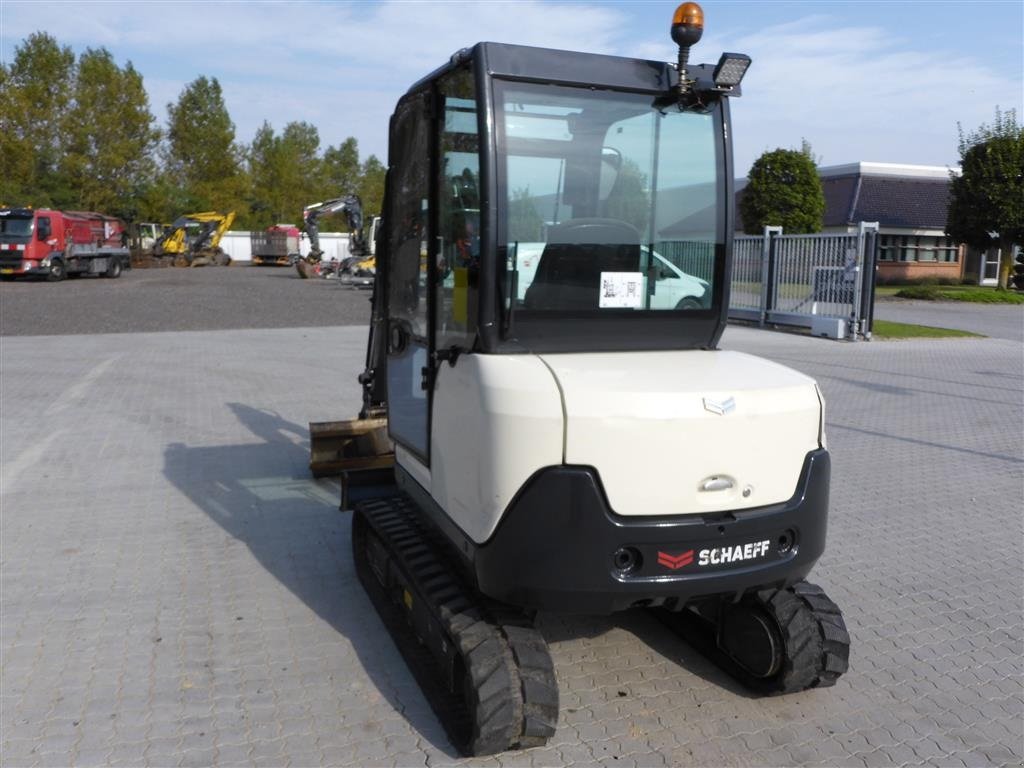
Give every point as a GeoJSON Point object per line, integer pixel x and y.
{"type": "Point", "coordinates": [768, 271]}
{"type": "Point", "coordinates": [868, 256]}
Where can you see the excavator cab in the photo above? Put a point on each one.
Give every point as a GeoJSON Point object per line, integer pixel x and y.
{"type": "Point", "coordinates": [553, 280]}
{"type": "Point", "coordinates": [552, 202]}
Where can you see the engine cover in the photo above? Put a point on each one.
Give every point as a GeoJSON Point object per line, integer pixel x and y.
{"type": "Point", "coordinates": [675, 433]}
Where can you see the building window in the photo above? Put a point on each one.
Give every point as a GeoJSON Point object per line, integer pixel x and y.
{"type": "Point", "coordinates": [923, 248]}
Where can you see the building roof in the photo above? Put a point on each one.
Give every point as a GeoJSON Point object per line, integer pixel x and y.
{"type": "Point", "coordinates": [898, 170]}
{"type": "Point", "coordinates": [892, 202]}
{"type": "Point", "coordinates": [894, 195]}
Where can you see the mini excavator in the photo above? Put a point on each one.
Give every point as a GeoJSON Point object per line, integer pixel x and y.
{"type": "Point", "coordinates": [540, 430]}
{"type": "Point", "coordinates": [352, 207]}
{"type": "Point", "coordinates": [193, 240]}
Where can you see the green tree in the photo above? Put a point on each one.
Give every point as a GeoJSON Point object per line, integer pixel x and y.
{"type": "Point", "coordinates": [987, 197]}
{"type": "Point", "coordinates": [783, 189]}
{"type": "Point", "coordinates": [263, 172]}
{"type": "Point", "coordinates": [371, 185]}
{"type": "Point", "coordinates": [201, 150]}
{"type": "Point", "coordinates": [37, 90]}
{"type": "Point", "coordinates": [340, 170]}
{"type": "Point", "coordinates": [628, 199]}
{"type": "Point", "coordinates": [110, 136]}
{"type": "Point", "coordinates": [16, 156]}
{"type": "Point", "coordinates": [161, 200]}
{"type": "Point", "coordinates": [285, 172]}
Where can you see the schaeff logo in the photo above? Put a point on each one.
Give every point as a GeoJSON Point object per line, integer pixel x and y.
{"type": "Point", "coordinates": [715, 555]}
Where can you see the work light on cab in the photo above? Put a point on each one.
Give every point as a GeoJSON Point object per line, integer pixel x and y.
{"type": "Point", "coordinates": [730, 70]}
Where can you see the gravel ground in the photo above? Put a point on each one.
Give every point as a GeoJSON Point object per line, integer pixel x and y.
{"type": "Point", "coordinates": [144, 300]}
{"type": "Point", "coordinates": [178, 300]}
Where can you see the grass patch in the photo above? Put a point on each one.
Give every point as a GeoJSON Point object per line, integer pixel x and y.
{"type": "Point", "coordinates": [884, 329]}
{"type": "Point", "coordinates": [972, 293]}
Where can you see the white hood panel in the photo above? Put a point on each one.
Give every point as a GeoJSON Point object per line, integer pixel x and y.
{"type": "Point", "coordinates": [640, 418]}
{"type": "Point", "coordinates": [497, 420]}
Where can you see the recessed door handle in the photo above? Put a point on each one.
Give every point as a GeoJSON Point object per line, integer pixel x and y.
{"type": "Point", "coordinates": [717, 484]}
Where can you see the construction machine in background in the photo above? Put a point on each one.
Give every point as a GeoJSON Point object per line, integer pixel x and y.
{"type": "Point", "coordinates": [277, 245]}
{"type": "Point", "coordinates": [359, 246]}
{"type": "Point", "coordinates": [193, 240]}
{"type": "Point", "coordinates": [560, 438]}
{"type": "Point", "coordinates": [143, 235]}
{"type": "Point", "coordinates": [360, 270]}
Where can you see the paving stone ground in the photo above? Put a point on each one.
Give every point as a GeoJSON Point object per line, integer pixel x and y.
{"type": "Point", "coordinates": [175, 590]}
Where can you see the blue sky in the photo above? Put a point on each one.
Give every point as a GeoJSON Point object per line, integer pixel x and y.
{"type": "Point", "coordinates": [868, 80]}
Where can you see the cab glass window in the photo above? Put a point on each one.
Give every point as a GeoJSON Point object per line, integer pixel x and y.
{"type": "Point", "coordinates": [458, 196]}
{"type": "Point", "coordinates": [408, 213]}
{"type": "Point", "coordinates": [612, 199]}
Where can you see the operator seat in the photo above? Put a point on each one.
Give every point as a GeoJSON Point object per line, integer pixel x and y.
{"type": "Point", "coordinates": [577, 252]}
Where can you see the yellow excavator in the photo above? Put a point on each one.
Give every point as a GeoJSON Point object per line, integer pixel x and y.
{"type": "Point", "coordinates": [193, 240]}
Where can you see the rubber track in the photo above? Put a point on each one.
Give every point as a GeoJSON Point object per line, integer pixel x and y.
{"type": "Point", "coordinates": [536, 674]}
{"type": "Point", "coordinates": [511, 698]}
{"type": "Point", "coordinates": [816, 645]}
{"type": "Point", "coordinates": [814, 634]}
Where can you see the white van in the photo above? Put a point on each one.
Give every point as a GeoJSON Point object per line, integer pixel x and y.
{"type": "Point", "coordinates": [675, 289]}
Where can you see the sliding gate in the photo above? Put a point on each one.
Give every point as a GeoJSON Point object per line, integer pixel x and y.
{"type": "Point", "coordinates": [799, 280]}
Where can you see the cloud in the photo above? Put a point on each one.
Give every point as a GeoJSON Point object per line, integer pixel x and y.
{"type": "Point", "coordinates": [341, 66]}
{"type": "Point", "coordinates": [860, 93]}
{"type": "Point", "coordinates": [856, 91]}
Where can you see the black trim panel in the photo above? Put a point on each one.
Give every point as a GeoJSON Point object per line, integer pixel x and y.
{"type": "Point", "coordinates": [554, 548]}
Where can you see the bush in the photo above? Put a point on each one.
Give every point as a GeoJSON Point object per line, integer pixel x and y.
{"type": "Point", "coordinates": [973, 294]}
{"type": "Point", "coordinates": [933, 281]}
{"type": "Point", "coordinates": [923, 291]}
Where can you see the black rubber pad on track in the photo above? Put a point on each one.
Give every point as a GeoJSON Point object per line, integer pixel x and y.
{"type": "Point", "coordinates": [450, 709]}
{"type": "Point", "coordinates": [815, 645]}
{"type": "Point", "coordinates": [506, 695]}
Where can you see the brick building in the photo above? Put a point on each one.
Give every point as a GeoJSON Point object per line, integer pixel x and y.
{"type": "Point", "coordinates": [909, 202]}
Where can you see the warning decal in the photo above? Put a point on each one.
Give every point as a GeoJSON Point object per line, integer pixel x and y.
{"type": "Point", "coordinates": [622, 289]}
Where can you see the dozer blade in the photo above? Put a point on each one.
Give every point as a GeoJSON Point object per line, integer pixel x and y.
{"type": "Point", "coordinates": [337, 447]}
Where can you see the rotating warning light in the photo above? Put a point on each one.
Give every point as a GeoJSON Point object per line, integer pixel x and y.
{"type": "Point", "coordinates": [687, 24]}
{"type": "Point", "coordinates": [687, 27]}
{"type": "Point", "coordinates": [730, 70]}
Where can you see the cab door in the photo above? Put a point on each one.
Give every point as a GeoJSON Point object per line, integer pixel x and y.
{"type": "Point", "coordinates": [408, 233]}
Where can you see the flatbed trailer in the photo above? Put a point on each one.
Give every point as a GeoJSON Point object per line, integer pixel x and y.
{"type": "Point", "coordinates": [276, 246]}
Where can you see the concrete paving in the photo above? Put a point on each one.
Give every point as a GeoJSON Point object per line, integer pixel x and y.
{"type": "Point", "coordinates": [998, 321]}
{"type": "Point", "coordinates": [177, 590]}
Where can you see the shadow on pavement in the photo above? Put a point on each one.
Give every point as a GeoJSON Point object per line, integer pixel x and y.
{"type": "Point", "coordinates": [262, 495]}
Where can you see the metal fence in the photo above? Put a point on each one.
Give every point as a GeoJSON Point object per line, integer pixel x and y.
{"type": "Point", "coordinates": [749, 256]}
{"type": "Point", "coordinates": [802, 279]}
{"type": "Point", "coordinates": [694, 257]}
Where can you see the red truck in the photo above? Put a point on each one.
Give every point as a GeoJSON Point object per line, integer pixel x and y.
{"type": "Point", "coordinates": [55, 244]}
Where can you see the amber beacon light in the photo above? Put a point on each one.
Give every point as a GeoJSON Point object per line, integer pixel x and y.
{"type": "Point", "coordinates": [688, 15]}
{"type": "Point", "coordinates": [687, 27]}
